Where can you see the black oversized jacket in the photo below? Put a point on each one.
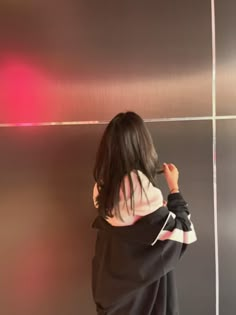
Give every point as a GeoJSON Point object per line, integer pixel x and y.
{"type": "Point", "coordinates": [133, 266]}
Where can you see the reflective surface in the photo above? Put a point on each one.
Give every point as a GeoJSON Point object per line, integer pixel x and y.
{"type": "Point", "coordinates": [226, 173]}
{"type": "Point", "coordinates": [45, 254]}
{"type": "Point", "coordinates": [86, 60]}
{"type": "Point", "coordinates": [189, 146]}
{"type": "Point", "coordinates": [46, 240]}
{"type": "Point", "coordinates": [225, 57]}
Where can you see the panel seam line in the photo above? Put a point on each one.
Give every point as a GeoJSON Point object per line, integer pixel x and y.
{"type": "Point", "coordinates": [213, 28]}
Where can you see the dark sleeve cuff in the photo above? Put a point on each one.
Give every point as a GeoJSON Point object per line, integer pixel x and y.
{"type": "Point", "coordinates": [175, 196]}
{"type": "Point", "coordinates": [176, 203]}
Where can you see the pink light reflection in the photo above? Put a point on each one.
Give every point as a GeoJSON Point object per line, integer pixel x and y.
{"type": "Point", "coordinates": [24, 124]}
{"type": "Point", "coordinates": [32, 280]}
{"type": "Point", "coordinates": [24, 94]}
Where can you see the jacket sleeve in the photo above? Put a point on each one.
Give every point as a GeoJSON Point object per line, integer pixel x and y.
{"type": "Point", "coordinates": [177, 232]}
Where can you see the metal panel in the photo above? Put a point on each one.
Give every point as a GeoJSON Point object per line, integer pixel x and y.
{"type": "Point", "coordinates": [226, 173]}
{"type": "Point", "coordinates": [189, 146]}
{"type": "Point", "coordinates": [225, 57]}
{"type": "Point", "coordinates": [86, 60]}
{"type": "Point", "coordinates": [46, 240]}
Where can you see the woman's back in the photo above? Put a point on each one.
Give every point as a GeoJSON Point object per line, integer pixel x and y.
{"type": "Point", "coordinates": [139, 239]}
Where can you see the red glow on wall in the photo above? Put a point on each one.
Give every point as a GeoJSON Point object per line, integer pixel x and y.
{"type": "Point", "coordinates": [33, 278]}
{"type": "Point", "coordinates": [24, 92]}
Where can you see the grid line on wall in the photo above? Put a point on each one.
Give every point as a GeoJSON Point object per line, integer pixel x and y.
{"type": "Point", "coordinates": [96, 122]}
{"type": "Point", "coordinates": [213, 29]}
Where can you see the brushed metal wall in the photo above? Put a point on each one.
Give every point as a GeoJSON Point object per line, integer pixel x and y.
{"type": "Point", "coordinates": [225, 56]}
{"type": "Point", "coordinates": [189, 145]}
{"type": "Point", "coordinates": [46, 213]}
{"type": "Point", "coordinates": [86, 60]}
{"type": "Point", "coordinates": [226, 130]}
{"type": "Point", "coordinates": [226, 155]}
{"type": "Point", "coordinates": [68, 61]}
{"type": "Point", "coordinates": [46, 240]}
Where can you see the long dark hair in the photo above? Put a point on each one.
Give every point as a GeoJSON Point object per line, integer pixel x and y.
{"type": "Point", "coordinates": [126, 146]}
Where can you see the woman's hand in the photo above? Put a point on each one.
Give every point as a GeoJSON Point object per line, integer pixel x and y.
{"type": "Point", "coordinates": [171, 174]}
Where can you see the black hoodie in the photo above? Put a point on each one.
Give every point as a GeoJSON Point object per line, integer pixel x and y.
{"type": "Point", "coordinates": [133, 266]}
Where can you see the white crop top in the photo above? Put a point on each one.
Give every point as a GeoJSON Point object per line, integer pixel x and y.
{"type": "Point", "coordinates": [145, 202]}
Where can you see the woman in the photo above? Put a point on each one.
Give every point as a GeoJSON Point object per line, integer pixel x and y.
{"type": "Point", "coordinates": [140, 239]}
